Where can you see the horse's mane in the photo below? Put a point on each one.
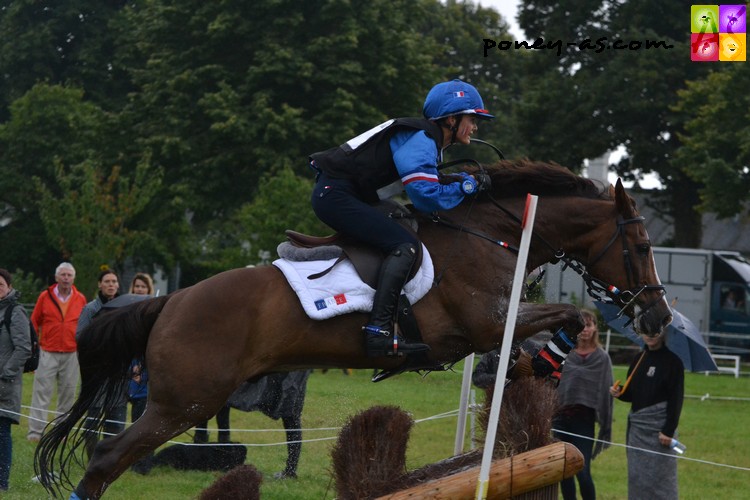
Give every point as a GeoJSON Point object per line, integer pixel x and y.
{"type": "Point", "coordinates": [518, 177]}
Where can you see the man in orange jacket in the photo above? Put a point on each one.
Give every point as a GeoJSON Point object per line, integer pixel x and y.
{"type": "Point", "coordinates": [55, 318]}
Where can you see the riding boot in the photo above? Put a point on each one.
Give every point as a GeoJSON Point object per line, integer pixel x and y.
{"type": "Point", "coordinates": [548, 361]}
{"type": "Point", "coordinates": [380, 337]}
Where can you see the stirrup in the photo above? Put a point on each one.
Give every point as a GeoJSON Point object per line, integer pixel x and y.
{"type": "Point", "coordinates": [380, 342]}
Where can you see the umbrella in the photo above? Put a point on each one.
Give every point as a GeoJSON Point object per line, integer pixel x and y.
{"type": "Point", "coordinates": [683, 337]}
{"type": "Point", "coordinates": [125, 300]}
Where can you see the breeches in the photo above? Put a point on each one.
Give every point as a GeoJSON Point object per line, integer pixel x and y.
{"type": "Point", "coordinates": [336, 202]}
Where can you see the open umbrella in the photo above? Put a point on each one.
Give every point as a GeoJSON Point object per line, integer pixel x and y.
{"type": "Point", "coordinates": [683, 337]}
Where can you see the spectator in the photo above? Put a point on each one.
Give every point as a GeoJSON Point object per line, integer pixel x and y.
{"type": "Point", "coordinates": [109, 286]}
{"type": "Point", "coordinates": [55, 318]}
{"type": "Point", "coordinates": [15, 349]}
{"type": "Point", "coordinates": [485, 372]}
{"type": "Point", "coordinates": [655, 389]}
{"type": "Point", "coordinates": [584, 400]}
{"type": "Point", "coordinates": [278, 395]}
{"type": "Point", "coordinates": [142, 284]}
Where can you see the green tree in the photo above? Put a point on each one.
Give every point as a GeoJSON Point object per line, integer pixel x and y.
{"type": "Point", "coordinates": [47, 124]}
{"type": "Point", "coordinates": [66, 43]}
{"type": "Point", "coordinates": [29, 286]}
{"type": "Point", "coordinates": [615, 97]}
{"type": "Point", "coordinates": [91, 220]}
{"type": "Point", "coordinates": [231, 90]}
{"type": "Point", "coordinates": [252, 234]}
{"type": "Point", "coordinates": [716, 149]}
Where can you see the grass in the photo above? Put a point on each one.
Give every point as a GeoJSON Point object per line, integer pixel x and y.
{"type": "Point", "coordinates": [712, 429]}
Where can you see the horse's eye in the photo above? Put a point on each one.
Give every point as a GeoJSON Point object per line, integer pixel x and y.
{"type": "Point", "coordinates": [643, 248]}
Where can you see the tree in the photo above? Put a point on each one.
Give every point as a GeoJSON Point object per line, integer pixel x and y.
{"type": "Point", "coordinates": [716, 149]}
{"type": "Point", "coordinates": [90, 221]}
{"type": "Point", "coordinates": [47, 124]}
{"type": "Point", "coordinates": [64, 43]}
{"type": "Point", "coordinates": [228, 91]}
{"type": "Point", "coordinates": [616, 97]}
{"type": "Point", "coordinates": [252, 234]}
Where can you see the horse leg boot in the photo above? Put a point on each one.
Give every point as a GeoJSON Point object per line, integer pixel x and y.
{"type": "Point", "coordinates": [548, 361]}
{"type": "Point", "coordinates": [380, 337]}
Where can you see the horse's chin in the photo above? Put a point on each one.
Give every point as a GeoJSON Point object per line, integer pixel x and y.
{"type": "Point", "coordinates": [651, 323]}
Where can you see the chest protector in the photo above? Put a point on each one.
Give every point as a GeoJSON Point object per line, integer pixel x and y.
{"type": "Point", "coordinates": [367, 160]}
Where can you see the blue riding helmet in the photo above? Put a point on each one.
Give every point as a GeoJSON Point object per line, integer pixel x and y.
{"type": "Point", "coordinates": [454, 98]}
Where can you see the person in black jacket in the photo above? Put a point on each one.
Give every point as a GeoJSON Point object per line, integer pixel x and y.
{"type": "Point", "coordinates": [406, 151]}
{"type": "Point", "coordinates": [655, 389]}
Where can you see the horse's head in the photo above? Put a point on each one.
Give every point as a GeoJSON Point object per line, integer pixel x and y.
{"type": "Point", "coordinates": [626, 259]}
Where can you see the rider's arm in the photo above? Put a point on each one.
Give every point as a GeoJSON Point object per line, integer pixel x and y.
{"type": "Point", "coordinates": [415, 156]}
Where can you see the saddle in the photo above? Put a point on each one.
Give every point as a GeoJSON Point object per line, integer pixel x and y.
{"type": "Point", "coordinates": [365, 259]}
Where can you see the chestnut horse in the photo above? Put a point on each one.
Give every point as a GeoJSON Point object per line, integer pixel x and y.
{"type": "Point", "coordinates": [202, 342]}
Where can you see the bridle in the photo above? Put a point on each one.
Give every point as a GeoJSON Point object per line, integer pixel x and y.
{"type": "Point", "coordinates": [596, 288]}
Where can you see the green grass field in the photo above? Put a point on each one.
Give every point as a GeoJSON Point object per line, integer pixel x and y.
{"type": "Point", "coordinates": [713, 430]}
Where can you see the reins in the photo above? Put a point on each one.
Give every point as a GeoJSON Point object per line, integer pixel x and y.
{"type": "Point", "coordinates": [596, 288]}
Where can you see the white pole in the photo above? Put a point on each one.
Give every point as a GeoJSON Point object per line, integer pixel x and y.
{"type": "Point", "coordinates": [473, 417]}
{"type": "Point", "coordinates": [510, 326]}
{"type": "Point", "coordinates": [463, 404]}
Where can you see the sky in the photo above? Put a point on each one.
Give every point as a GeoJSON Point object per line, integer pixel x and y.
{"type": "Point", "coordinates": [509, 9]}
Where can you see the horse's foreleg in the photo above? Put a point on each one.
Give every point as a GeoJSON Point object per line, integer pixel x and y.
{"type": "Point", "coordinates": [113, 456]}
{"type": "Point", "coordinates": [564, 321]}
{"type": "Point", "coordinates": [534, 318]}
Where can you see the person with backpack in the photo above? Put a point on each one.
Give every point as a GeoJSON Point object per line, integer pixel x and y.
{"type": "Point", "coordinates": [15, 349]}
{"type": "Point", "coordinates": [55, 318]}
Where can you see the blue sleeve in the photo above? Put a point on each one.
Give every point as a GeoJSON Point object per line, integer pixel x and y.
{"type": "Point", "coordinates": [416, 156]}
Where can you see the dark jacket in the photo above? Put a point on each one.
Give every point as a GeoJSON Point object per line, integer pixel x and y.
{"type": "Point", "coordinates": [15, 349]}
{"type": "Point", "coordinates": [367, 160]}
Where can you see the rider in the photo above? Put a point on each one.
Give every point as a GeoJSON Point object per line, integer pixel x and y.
{"type": "Point", "coordinates": [406, 149]}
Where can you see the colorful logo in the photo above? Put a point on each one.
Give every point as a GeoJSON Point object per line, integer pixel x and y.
{"type": "Point", "coordinates": [718, 33]}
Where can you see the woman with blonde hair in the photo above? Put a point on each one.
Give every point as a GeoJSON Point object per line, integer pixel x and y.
{"type": "Point", "coordinates": [142, 284]}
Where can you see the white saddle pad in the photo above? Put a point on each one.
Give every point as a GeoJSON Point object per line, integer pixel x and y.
{"type": "Point", "coordinates": [341, 291]}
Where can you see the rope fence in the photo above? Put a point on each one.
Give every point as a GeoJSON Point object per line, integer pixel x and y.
{"type": "Point", "coordinates": [473, 409]}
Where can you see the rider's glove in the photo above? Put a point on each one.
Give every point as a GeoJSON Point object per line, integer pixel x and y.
{"type": "Point", "coordinates": [468, 185]}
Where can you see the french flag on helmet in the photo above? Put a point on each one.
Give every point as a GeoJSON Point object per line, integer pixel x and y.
{"type": "Point", "coordinates": [455, 97]}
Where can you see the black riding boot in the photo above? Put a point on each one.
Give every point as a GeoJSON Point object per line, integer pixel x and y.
{"type": "Point", "coordinates": [380, 338]}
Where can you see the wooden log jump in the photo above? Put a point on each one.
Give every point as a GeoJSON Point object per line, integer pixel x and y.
{"type": "Point", "coordinates": [509, 477]}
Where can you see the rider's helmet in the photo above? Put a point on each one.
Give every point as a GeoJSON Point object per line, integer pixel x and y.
{"type": "Point", "coordinates": [454, 98]}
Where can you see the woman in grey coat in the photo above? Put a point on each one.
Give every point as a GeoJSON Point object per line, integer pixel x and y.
{"type": "Point", "coordinates": [15, 349]}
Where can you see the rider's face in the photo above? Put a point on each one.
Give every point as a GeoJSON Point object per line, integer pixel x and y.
{"type": "Point", "coordinates": [467, 125]}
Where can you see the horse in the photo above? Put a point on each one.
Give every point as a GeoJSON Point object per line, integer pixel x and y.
{"type": "Point", "coordinates": [245, 323]}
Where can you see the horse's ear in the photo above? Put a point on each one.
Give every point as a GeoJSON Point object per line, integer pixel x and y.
{"type": "Point", "coordinates": [623, 201]}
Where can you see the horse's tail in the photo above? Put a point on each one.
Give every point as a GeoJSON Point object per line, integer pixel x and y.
{"type": "Point", "coordinates": [106, 349]}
